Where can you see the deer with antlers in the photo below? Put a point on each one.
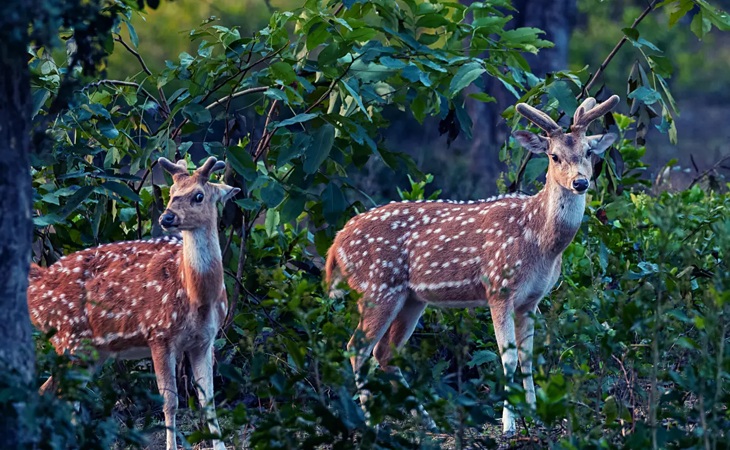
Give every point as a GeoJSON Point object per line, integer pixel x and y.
{"type": "Point", "coordinates": [161, 298]}
{"type": "Point", "coordinates": [504, 252]}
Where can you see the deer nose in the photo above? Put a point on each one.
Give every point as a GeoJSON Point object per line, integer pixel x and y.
{"type": "Point", "coordinates": [167, 219]}
{"type": "Point", "coordinates": [580, 184]}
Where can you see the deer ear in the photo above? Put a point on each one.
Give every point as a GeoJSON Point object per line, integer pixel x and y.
{"type": "Point", "coordinates": [531, 141]}
{"type": "Point", "coordinates": [600, 142]}
{"type": "Point", "coordinates": [227, 192]}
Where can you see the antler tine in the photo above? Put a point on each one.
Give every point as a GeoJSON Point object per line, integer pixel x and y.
{"type": "Point", "coordinates": [207, 167]}
{"type": "Point", "coordinates": [220, 165]}
{"type": "Point", "coordinates": [173, 168]}
{"type": "Point", "coordinates": [539, 118]}
{"type": "Point", "coordinates": [585, 119]}
{"type": "Point", "coordinates": [587, 105]}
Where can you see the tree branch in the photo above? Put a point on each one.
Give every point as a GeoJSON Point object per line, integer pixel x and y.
{"type": "Point", "coordinates": [592, 81]}
{"type": "Point", "coordinates": [706, 172]}
{"type": "Point", "coordinates": [220, 101]}
{"type": "Point", "coordinates": [119, 39]}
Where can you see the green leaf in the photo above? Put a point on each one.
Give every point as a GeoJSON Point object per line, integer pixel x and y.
{"type": "Point", "coordinates": [482, 97]}
{"type": "Point", "coordinates": [272, 194]}
{"type": "Point", "coordinates": [39, 99]}
{"type": "Point", "coordinates": [75, 200]}
{"type": "Point", "coordinates": [647, 95]}
{"type": "Point", "coordinates": [242, 162]}
{"type": "Point", "coordinates": [196, 113]}
{"type": "Point", "coordinates": [299, 118]}
{"type": "Point", "coordinates": [132, 34]}
{"type": "Point", "coordinates": [106, 128]}
{"type": "Point", "coordinates": [718, 17]}
{"type": "Point", "coordinates": [357, 98]}
{"type": "Point", "coordinates": [248, 204]}
{"type": "Point", "coordinates": [277, 94]}
{"type": "Point", "coordinates": [272, 222]}
{"type": "Point", "coordinates": [661, 65]}
{"type": "Point", "coordinates": [317, 153]}
{"type": "Point", "coordinates": [610, 409]}
{"type": "Point", "coordinates": [317, 35]}
{"type": "Point", "coordinates": [465, 76]}
{"type": "Point", "coordinates": [292, 207]}
{"type": "Point", "coordinates": [525, 35]}
{"type": "Point", "coordinates": [631, 33]}
{"type": "Point", "coordinates": [561, 92]}
{"type": "Point", "coordinates": [490, 24]}
{"type": "Point", "coordinates": [684, 7]}
{"type": "Point", "coordinates": [333, 202]}
{"type": "Point", "coordinates": [535, 167]}
{"type": "Point", "coordinates": [122, 189]}
{"type": "Point", "coordinates": [283, 71]}
{"type": "Point", "coordinates": [432, 20]}
{"type": "Point", "coordinates": [482, 357]}
{"type": "Point", "coordinates": [361, 34]}
{"type": "Point", "coordinates": [299, 145]}
{"type": "Point", "coordinates": [700, 25]}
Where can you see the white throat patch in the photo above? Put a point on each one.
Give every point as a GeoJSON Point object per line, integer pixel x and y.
{"type": "Point", "coordinates": [201, 250]}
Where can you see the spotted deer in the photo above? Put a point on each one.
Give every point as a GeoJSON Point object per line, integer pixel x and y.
{"type": "Point", "coordinates": [162, 297]}
{"type": "Point", "coordinates": [504, 252]}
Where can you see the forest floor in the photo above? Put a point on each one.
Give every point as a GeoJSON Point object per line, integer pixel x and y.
{"type": "Point", "coordinates": [188, 421]}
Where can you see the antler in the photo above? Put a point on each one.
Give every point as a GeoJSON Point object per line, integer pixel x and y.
{"type": "Point", "coordinates": [179, 168]}
{"type": "Point", "coordinates": [540, 119]}
{"type": "Point", "coordinates": [209, 166]}
{"type": "Point", "coordinates": [588, 111]}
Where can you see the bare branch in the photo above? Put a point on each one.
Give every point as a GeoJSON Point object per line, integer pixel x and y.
{"type": "Point", "coordinates": [592, 81]}
{"type": "Point", "coordinates": [236, 95]}
{"type": "Point", "coordinates": [119, 39]}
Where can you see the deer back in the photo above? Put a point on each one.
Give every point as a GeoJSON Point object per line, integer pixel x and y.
{"type": "Point", "coordinates": [119, 295]}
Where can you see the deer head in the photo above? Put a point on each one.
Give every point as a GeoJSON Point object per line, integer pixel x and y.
{"type": "Point", "coordinates": [193, 197]}
{"type": "Point", "coordinates": [570, 153]}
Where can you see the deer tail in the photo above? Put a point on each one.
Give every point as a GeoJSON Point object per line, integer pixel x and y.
{"type": "Point", "coordinates": [35, 273]}
{"type": "Point", "coordinates": [333, 274]}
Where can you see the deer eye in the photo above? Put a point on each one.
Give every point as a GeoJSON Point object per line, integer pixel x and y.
{"type": "Point", "coordinates": [589, 152]}
{"type": "Point", "coordinates": [199, 197]}
{"type": "Point", "coordinates": [555, 158]}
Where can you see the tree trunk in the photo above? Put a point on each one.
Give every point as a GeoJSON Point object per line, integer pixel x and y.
{"type": "Point", "coordinates": [17, 353]}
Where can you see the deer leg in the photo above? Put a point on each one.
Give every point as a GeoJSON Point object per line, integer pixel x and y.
{"type": "Point", "coordinates": [525, 330]}
{"type": "Point", "coordinates": [397, 335]}
{"type": "Point", "coordinates": [375, 318]}
{"type": "Point", "coordinates": [504, 330]}
{"type": "Point", "coordinates": [164, 362]}
{"type": "Point", "coordinates": [202, 363]}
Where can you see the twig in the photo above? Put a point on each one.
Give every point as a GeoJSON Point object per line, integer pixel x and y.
{"type": "Point", "coordinates": [119, 39]}
{"type": "Point", "coordinates": [615, 50]}
{"type": "Point", "coordinates": [706, 172]}
{"type": "Point", "coordinates": [178, 129]}
{"type": "Point", "coordinates": [163, 100]}
{"type": "Point", "coordinates": [124, 83]}
{"type": "Point", "coordinates": [238, 276]}
{"type": "Point", "coordinates": [266, 135]}
{"type": "Point", "coordinates": [236, 95]}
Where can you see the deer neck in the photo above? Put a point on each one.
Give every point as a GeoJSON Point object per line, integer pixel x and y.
{"type": "Point", "coordinates": [562, 212]}
{"type": "Point", "coordinates": [202, 265]}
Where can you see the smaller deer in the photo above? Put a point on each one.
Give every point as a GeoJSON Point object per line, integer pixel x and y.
{"type": "Point", "coordinates": [161, 298]}
{"type": "Point", "coordinates": [504, 252]}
